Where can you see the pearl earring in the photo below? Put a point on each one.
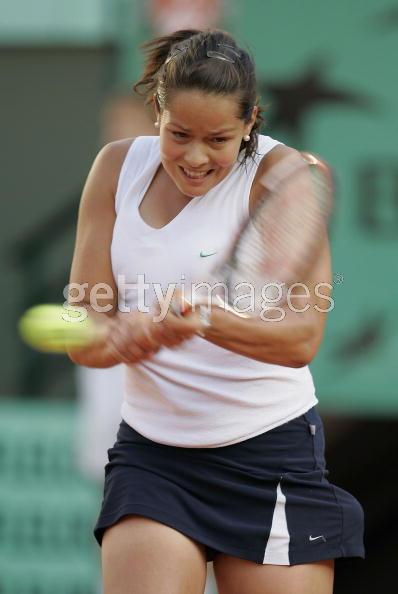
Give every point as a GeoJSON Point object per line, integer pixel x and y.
{"type": "Point", "coordinates": [246, 138]}
{"type": "Point", "coordinates": [156, 124]}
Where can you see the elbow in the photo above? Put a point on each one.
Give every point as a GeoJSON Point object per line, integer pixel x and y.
{"type": "Point", "coordinates": [295, 356]}
{"type": "Point", "coordinates": [304, 351]}
{"type": "Point", "coordinates": [300, 358]}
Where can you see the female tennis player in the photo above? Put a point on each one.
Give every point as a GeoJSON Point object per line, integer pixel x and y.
{"type": "Point", "coordinates": [220, 452]}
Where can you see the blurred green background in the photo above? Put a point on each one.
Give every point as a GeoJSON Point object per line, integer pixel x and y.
{"type": "Point", "coordinates": [327, 74]}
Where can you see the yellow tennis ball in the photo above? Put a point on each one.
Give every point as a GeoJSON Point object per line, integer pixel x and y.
{"type": "Point", "coordinates": [52, 328]}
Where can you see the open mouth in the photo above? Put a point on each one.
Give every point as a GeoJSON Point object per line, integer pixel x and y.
{"type": "Point", "coordinates": [197, 175]}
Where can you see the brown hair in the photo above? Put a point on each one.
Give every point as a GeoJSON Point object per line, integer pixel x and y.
{"type": "Point", "coordinates": [180, 61]}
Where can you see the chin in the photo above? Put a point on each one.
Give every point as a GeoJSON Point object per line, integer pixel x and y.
{"type": "Point", "coordinates": [190, 192]}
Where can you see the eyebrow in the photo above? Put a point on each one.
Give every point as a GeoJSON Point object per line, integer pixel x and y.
{"type": "Point", "coordinates": [223, 131]}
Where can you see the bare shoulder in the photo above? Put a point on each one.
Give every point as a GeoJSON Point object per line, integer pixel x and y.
{"type": "Point", "coordinates": [109, 161]}
{"type": "Point", "coordinates": [98, 196]}
{"type": "Point", "coordinates": [91, 261]}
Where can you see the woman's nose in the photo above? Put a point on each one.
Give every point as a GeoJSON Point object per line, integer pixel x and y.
{"type": "Point", "coordinates": [196, 157]}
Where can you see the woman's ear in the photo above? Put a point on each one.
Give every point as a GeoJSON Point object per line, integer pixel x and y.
{"type": "Point", "coordinates": [254, 116]}
{"type": "Point", "coordinates": [252, 121]}
{"type": "Point", "coordinates": [156, 107]}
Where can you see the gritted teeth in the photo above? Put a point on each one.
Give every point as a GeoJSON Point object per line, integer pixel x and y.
{"type": "Point", "coordinates": [196, 174]}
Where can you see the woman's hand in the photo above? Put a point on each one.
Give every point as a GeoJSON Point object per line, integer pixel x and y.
{"type": "Point", "coordinates": [136, 336]}
{"type": "Point", "coordinates": [129, 337]}
{"type": "Point", "coordinates": [173, 328]}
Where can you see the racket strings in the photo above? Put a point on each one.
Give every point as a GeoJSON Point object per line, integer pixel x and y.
{"type": "Point", "coordinates": [279, 240]}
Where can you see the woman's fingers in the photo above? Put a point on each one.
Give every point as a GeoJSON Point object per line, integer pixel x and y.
{"type": "Point", "coordinates": [127, 351]}
{"type": "Point", "coordinates": [131, 339]}
{"type": "Point", "coordinates": [138, 336]}
{"type": "Point", "coordinates": [176, 328]}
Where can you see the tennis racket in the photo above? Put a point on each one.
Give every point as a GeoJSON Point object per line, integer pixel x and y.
{"type": "Point", "coordinates": [278, 244]}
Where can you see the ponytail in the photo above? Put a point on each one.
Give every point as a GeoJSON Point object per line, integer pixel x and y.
{"type": "Point", "coordinates": [156, 51]}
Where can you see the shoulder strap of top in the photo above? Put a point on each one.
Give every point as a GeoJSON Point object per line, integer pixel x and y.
{"type": "Point", "coordinates": [265, 144]}
{"type": "Point", "coordinates": [139, 158]}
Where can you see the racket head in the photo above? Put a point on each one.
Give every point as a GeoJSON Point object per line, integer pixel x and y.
{"type": "Point", "coordinates": [279, 243]}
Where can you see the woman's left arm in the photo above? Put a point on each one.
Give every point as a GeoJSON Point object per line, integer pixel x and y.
{"type": "Point", "coordinates": [288, 335]}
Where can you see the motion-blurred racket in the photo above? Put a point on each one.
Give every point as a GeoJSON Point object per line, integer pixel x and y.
{"type": "Point", "coordinates": [279, 243]}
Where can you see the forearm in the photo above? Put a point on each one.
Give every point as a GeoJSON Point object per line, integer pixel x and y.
{"type": "Point", "coordinates": [97, 354]}
{"type": "Point", "coordinates": [290, 342]}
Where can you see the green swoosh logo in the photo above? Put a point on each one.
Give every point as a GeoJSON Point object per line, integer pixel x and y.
{"type": "Point", "coordinates": [206, 254]}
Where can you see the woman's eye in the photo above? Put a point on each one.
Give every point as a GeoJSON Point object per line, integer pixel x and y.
{"type": "Point", "coordinates": [182, 135]}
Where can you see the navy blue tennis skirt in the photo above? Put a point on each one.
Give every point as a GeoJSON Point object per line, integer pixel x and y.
{"type": "Point", "coordinates": [266, 499]}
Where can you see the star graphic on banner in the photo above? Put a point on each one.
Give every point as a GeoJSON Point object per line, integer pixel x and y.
{"type": "Point", "coordinates": [363, 341]}
{"type": "Point", "coordinates": [388, 18]}
{"type": "Point", "coordinates": [294, 99]}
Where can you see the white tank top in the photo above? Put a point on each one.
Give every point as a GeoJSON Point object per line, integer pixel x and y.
{"type": "Point", "coordinates": [197, 394]}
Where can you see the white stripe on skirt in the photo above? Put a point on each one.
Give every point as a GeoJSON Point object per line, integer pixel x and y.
{"type": "Point", "coordinates": [277, 549]}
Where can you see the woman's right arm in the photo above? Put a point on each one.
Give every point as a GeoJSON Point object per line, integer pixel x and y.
{"type": "Point", "coordinates": [127, 337]}
{"type": "Point", "coordinates": [91, 262]}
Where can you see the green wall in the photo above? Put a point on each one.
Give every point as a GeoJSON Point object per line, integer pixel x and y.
{"type": "Point", "coordinates": [51, 101]}
{"type": "Point", "coordinates": [348, 113]}
{"type": "Point", "coordinates": [327, 73]}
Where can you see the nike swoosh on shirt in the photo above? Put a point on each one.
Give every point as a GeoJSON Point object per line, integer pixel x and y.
{"type": "Point", "coordinates": [206, 254]}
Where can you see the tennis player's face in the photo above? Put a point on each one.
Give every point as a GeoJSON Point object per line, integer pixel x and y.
{"type": "Point", "coordinates": [200, 137]}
